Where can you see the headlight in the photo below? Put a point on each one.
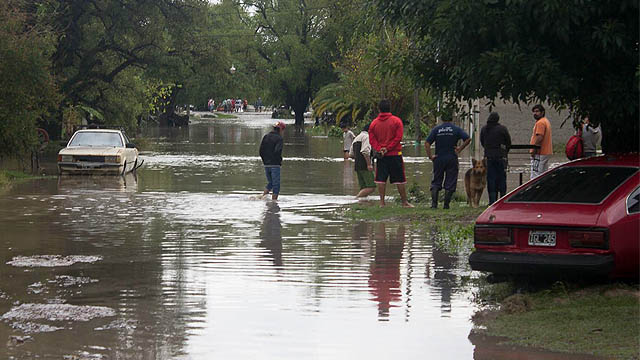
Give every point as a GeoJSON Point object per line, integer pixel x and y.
{"type": "Point", "coordinates": [112, 159]}
{"type": "Point", "coordinates": [65, 158]}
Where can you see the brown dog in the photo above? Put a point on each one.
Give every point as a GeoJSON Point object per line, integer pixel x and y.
{"type": "Point", "coordinates": [475, 180]}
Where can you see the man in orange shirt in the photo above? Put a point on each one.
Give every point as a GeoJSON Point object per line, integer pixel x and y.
{"type": "Point", "coordinates": [542, 137]}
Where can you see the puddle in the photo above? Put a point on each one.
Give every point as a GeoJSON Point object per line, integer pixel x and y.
{"type": "Point", "coordinates": [57, 312]}
{"type": "Point", "coordinates": [51, 260]}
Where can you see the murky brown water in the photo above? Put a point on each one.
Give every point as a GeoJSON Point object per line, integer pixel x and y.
{"type": "Point", "coordinates": [182, 262]}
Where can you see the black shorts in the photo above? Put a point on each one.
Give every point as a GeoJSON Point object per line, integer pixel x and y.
{"type": "Point", "coordinates": [390, 167]}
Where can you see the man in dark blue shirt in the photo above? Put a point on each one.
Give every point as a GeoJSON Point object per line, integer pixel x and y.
{"type": "Point", "coordinates": [445, 161]}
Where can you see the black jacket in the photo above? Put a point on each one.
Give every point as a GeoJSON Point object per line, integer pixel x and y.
{"type": "Point", "coordinates": [271, 149]}
{"type": "Point", "coordinates": [496, 140]}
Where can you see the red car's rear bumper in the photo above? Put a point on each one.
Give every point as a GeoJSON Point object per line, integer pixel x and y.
{"type": "Point", "coordinates": [525, 263]}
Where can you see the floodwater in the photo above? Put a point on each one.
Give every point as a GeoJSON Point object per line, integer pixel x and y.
{"type": "Point", "coordinates": [183, 261]}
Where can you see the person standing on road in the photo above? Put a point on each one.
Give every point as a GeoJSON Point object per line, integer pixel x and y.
{"type": "Point", "coordinates": [271, 154]}
{"type": "Point", "coordinates": [385, 136]}
{"type": "Point", "coordinates": [591, 134]}
{"type": "Point", "coordinates": [541, 137]}
{"type": "Point", "coordinates": [347, 140]}
{"type": "Point", "coordinates": [496, 141]}
{"type": "Point", "coordinates": [445, 161]}
{"type": "Point", "coordinates": [360, 151]}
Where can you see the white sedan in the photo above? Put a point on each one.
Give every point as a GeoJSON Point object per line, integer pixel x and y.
{"type": "Point", "coordinates": [98, 151]}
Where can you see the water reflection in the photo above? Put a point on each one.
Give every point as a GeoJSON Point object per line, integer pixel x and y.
{"type": "Point", "coordinates": [196, 269]}
{"type": "Point", "coordinates": [71, 183]}
{"type": "Point", "coordinates": [384, 272]}
{"type": "Point", "coordinates": [271, 232]}
{"type": "Point", "coordinates": [444, 278]}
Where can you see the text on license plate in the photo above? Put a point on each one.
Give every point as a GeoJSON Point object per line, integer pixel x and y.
{"type": "Point", "coordinates": [542, 238]}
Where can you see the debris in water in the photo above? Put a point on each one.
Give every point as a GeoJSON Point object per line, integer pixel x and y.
{"type": "Point", "coordinates": [67, 281]}
{"type": "Point", "coordinates": [57, 312]}
{"type": "Point", "coordinates": [32, 328]}
{"type": "Point", "coordinates": [18, 340]}
{"type": "Point", "coordinates": [52, 260]}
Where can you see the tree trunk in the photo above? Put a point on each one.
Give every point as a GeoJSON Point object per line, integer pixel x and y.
{"type": "Point", "coordinates": [621, 135]}
{"type": "Point", "coordinates": [299, 107]}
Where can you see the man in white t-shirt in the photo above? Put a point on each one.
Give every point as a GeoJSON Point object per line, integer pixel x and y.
{"type": "Point", "coordinates": [347, 140]}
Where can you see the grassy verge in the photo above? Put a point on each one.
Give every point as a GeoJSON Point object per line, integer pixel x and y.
{"type": "Point", "coordinates": [458, 213]}
{"type": "Point", "coordinates": [601, 320]}
{"type": "Point", "coordinates": [8, 177]}
{"type": "Point", "coordinates": [453, 228]}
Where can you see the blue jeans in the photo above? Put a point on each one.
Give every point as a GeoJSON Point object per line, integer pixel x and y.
{"type": "Point", "coordinates": [273, 179]}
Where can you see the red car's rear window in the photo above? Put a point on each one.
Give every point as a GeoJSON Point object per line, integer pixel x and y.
{"type": "Point", "coordinates": [577, 184]}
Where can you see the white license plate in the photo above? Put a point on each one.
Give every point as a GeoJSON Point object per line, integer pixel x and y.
{"type": "Point", "coordinates": [542, 238]}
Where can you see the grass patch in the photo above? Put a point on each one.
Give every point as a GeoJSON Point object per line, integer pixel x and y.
{"type": "Point", "coordinates": [422, 212]}
{"type": "Point", "coordinates": [454, 238]}
{"type": "Point", "coordinates": [9, 177]}
{"type": "Point", "coordinates": [600, 320]}
{"type": "Point", "coordinates": [220, 115]}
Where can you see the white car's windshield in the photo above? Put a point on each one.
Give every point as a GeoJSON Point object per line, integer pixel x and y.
{"type": "Point", "coordinates": [96, 138]}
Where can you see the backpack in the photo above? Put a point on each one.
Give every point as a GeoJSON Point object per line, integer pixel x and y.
{"type": "Point", "coordinates": [574, 149]}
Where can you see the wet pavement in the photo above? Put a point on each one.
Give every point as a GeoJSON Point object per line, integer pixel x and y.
{"type": "Point", "coordinates": [183, 261]}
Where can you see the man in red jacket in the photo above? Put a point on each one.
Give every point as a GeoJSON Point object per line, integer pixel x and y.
{"type": "Point", "coordinates": [385, 134]}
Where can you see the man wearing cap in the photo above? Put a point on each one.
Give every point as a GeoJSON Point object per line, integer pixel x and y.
{"type": "Point", "coordinates": [271, 154]}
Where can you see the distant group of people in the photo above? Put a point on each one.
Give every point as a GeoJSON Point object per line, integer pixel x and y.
{"type": "Point", "coordinates": [381, 140]}
{"type": "Point", "coordinates": [234, 105]}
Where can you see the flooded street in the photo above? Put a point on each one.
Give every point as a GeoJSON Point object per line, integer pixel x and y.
{"type": "Point", "coordinates": [183, 261]}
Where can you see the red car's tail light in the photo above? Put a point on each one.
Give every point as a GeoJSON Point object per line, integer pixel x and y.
{"type": "Point", "coordinates": [492, 235]}
{"type": "Point", "coordinates": [588, 239]}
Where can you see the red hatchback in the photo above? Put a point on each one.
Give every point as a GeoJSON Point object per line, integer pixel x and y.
{"type": "Point", "coordinates": [582, 217]}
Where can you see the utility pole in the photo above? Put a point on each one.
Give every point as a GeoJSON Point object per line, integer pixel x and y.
{"type": "Point", "coordinates": [476, 129]}
{"type": "Point", "coordinates": [416, 115]}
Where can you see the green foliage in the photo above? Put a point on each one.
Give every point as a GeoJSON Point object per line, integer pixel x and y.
{"type": "Point", "coordinates": [570, 53]}
{"type": "Point", "coordinates": [417, 195]}
{"type": "Point", "coordinates": [331, 99]}
{"type": "Point", "coordinates": [454, 238]}
{"type": "Point", "coordinates": [335, 131]}
{"type": "Point", "coordinates": [27, 89]}
{"type": "Point", "coordinates": [114, 57]}
{"type": "Point", "coordinates": [297, 42]}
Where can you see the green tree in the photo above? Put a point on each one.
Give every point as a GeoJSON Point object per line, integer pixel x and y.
{"type": "Point", "coordinates": [573, 53]}
{"type": "Point", "coordinates": [27, 89]}
{"type": "Point", "coordinates": [297, 40]}
{"type": "Point", "coordinates": [110, 52]}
